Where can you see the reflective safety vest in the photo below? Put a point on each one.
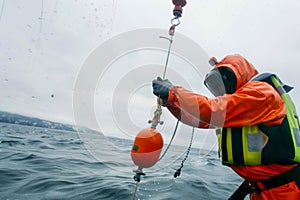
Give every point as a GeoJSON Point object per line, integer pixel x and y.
{"type": "Point", "coordinates": [261, 144]}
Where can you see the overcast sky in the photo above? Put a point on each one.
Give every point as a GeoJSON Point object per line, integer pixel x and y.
{"type": "Point", "coordinates": [45, 43]}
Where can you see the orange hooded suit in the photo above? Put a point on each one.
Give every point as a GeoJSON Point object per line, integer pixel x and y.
{"type": "Point", "coordinates": [253, 102]}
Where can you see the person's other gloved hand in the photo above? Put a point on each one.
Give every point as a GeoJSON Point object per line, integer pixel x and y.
{"type": "Point", "coordinates": [161, 88]}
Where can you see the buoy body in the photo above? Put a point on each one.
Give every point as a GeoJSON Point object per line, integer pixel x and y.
{"type": "Point", "coordinates": [146, 148]}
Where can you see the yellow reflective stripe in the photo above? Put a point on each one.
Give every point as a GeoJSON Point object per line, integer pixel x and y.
{"type": "Point", "coordinates": [245, 145]}
{"type": "Point", "coordinates": [253, 140]}
{"type": "Point", "coordinates": [229, 146]}
{"type": "Point", "coordinates": [250, 157]}
{"type": "Point", "coordinates": [275, 81]}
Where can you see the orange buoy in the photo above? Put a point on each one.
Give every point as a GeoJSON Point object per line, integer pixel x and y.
{"type": "Point", "coordinates": [146, 148]}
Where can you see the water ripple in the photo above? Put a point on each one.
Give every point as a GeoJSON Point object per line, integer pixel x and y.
{"type": "Point", "coordinates": [39, 164]}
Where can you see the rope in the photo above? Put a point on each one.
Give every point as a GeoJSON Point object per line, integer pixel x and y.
{"type": "Point", "coordinates": [135, 190]}
{"type": "Point", "coordinates": [168, 56]}
{"type": "Point", "coordinates": [171, 33]}
{"type": "Point", "coordinates": [156, 119]}
{"type": "Point", "coordinates": [173, 136]}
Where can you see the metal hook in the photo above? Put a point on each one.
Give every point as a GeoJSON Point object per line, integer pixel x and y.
{"type": "Point", "coordinates": [175, 19]}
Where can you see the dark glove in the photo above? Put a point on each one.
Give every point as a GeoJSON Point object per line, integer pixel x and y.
{"type": "Point", "coordinates": [161, 88]}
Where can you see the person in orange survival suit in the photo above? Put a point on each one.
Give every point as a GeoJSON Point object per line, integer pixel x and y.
{"type": "Point", "coordinates": [255, 121]}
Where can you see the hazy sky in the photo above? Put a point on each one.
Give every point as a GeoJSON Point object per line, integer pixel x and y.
{"type": "Point", "coordinates": [45, 43]}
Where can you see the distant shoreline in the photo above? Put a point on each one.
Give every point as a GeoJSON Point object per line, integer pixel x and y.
{"type": "Point", "coordinates": [12, 118]}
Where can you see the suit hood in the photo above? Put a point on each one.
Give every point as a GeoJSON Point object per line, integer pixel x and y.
{"type": "Point", "coordinates": [242, 69]}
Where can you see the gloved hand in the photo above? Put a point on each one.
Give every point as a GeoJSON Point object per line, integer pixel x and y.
{"type": "Point", "coordinates": [161, 88]}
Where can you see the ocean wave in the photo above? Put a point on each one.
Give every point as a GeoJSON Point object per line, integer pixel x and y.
{"type": "Point", "coordinates": [55, 164]}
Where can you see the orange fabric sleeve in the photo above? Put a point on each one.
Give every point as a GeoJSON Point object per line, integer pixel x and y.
{"type": "Point", "coordinates": [254, 103]}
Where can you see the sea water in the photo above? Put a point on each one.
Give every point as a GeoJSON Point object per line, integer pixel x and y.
{"type": "Point", "coordinates": [40, 163]}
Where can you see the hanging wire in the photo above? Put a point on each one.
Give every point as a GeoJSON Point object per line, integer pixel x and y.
{"type": "Point", "coordinates": [171, 33]}
{"type": "Point", "coordinates": [168, 56]}
{"type": "Point", "coordinates": [2, 8]}
{"type": "Point", "coordinates": [114, 15]}
{"type": "Point", "coordinates": [173, 136]}
{"type": "Point", "coordinates": [135, 190]}
{"type": "Point", "coordinates": [156, 119]}
{"type": "Point", "coordinates": [178, 171]}
{"type": "Point", "coordinates": [41, 18]}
